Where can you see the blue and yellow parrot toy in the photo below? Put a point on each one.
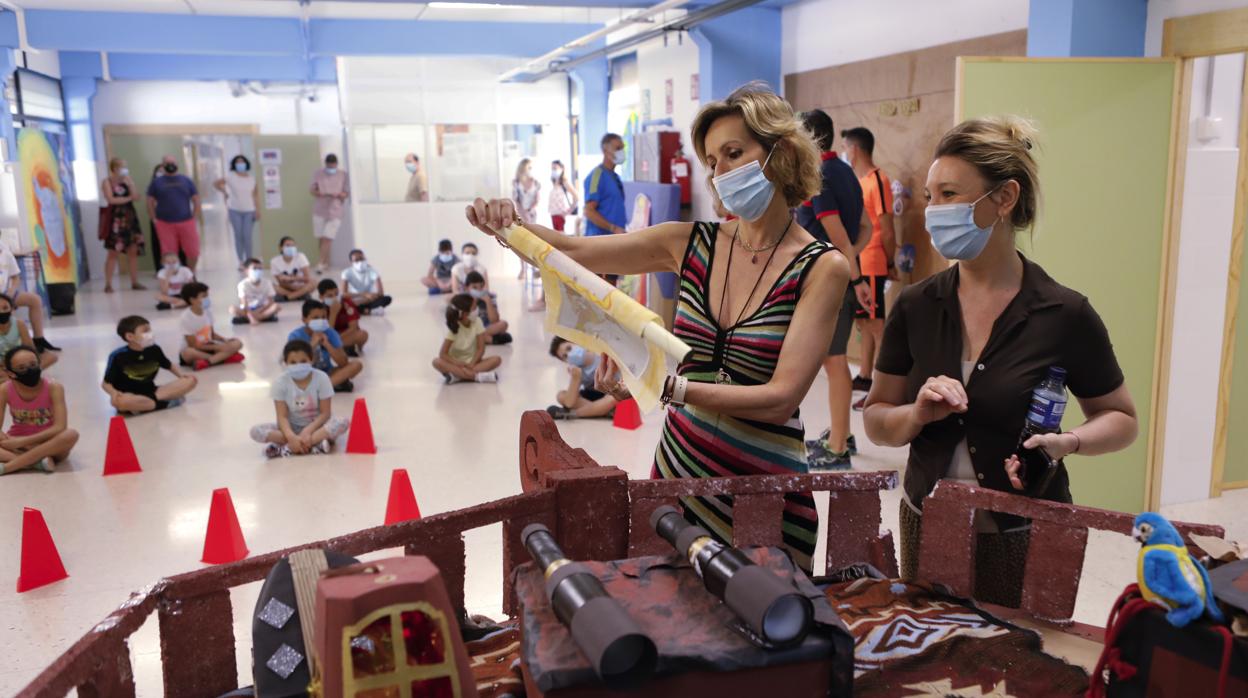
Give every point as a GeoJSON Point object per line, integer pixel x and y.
{"type": "Point", "coordinates": [1168, 575]}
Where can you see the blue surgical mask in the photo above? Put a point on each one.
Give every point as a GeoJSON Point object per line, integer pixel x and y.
{"type": "Point", "coordinates": [954, 232]}
{"type": "Point", "coordinates": [411, 167]}
{"type": "Point", "coordinates": [319, 324]}
{"type": "Point", "coordinates": [477, 292]}
{"type": "Point", "coordinates": [240, 167]}
{"type": "Point", "coordinates": [299, 371]}
{"type": "Point", "coordinates": [446, 258]}
{"type": "Point", "coordinates": [746, 192]}
{"type": "Point", "coordinates": [207, 305]}
{"type": "Point", "coordinates": [576, 356]}
{"type": "Point", "coordinates": [331, 170]}
{"type": "Point", "coordinates": [289, 251]}
{"type": "Point", "coordinates": [619, 157]}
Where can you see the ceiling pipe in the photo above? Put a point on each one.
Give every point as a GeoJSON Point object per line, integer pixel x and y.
{"type": "Point", "coordinates": [542, 63]}
{"type": "Point", "coordinates": [684, 23]}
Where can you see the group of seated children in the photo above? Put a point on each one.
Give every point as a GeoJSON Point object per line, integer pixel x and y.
{"type": "Point", "coordinates": [581, 400]}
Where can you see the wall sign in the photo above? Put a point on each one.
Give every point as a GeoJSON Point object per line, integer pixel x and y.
{"type": "Point", "coordinates": [668, 88]}
{"type": "Point", "coordinates": [270, 156]}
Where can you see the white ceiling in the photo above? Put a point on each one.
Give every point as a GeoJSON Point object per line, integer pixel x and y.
{"type": "Point", "coordinates": [328, 9]}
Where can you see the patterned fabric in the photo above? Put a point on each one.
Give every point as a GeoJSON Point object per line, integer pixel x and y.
{"type": "Point", "coordinates": [495, 662]}
{"type": "Point", "coordinates": [124, 230]}
{"type": "Point", "coordinates": [699, 443]}
{"type": "Point", "coordinates": [910, 640]}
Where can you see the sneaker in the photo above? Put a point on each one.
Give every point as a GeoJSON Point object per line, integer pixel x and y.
{"type": "Point", "coordinates": [236, 359]}
{"type": "Point", "coordinates": [451, 379]}
{"type": "Point", "coordinates": [164, 306]}
{"type": "Point", "coordinates": [377, 312]}
{"type": "Point", "coordinates": [386, 301]}
{"type": "Point", "coordinates": [42, 344]}
{"type": "Point", "coordinates": [271, 318]}
{"type": "Point", "coordinates": [862, 384]}
{"type": "Point", "coordinates": [322, 268]}
{"type": "Point", "coordinates": [435, 291]}
{"type": "Point", "coordinates": [862, 402]}
{"type": "Point", "coordinates": [239, 320]}
{"type": "Point", "coordinates": [276, 451]}
{"type": "Point", "coordinates": [201, 364]}
{"type": "Point", "coordinates": [352, 352]}
{"type": "Point", "coordinates": [560, 412]}
{"type": "Point", "coordinates": [320, 448]}
{"type": "Point", "coordinates": [43, 465]}
{"type": "Point", "coordinates": [176, 402]}
{"type": "Point", "coordinates": [487, 377]}
{"type": "Point", "coordinates": [821, 443]}
{"type": "Point", "coordinates": [502, 338]}
{"type": "Point", "coordinates": [344, 387]}
{"type": "Point", "coordinates": [824, 461]}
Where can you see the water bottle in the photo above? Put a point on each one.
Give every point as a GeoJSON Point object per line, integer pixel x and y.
{"type": "Point", "coordinates": [1048, 404]}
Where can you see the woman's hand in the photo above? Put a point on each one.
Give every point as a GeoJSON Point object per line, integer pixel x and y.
{"type": "Point", "coordinates": [491, 216]}
{"type": "Point", "coordinates": [607, 379]}
{"type": "Point", "coordinates": [939, 397]}
{"type": "Point", "coordinates": [1013, 470]}
{"type": "Point", "coordinates": [1055, 446]}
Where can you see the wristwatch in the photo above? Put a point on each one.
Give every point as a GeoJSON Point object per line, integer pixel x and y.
{"type": "Point", "coordinates": [674, 391]}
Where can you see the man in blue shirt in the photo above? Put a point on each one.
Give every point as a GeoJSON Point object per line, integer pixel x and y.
{"type": "Point", "coordinates": [604, 193]}
{"type": "Point", "coordinates": [328, 354]}
{"type": "Point", "coordinates": [835, 215]}
{"type": "Point", "coordinates": [173, 203]}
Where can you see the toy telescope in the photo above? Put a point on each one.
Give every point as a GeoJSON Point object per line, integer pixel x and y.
{"type": "Point", "coordinates": [622, 655]}
{"type": "Point", "coordinates": [768, 606]}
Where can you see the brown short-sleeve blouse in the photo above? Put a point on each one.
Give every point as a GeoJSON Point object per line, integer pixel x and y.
{"type": "Point", "coordinates": [1045, 325]}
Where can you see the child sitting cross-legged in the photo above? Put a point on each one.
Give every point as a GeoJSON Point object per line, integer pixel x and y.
{"type": "Point", "coordinates": [204, 347]}
{"type": "Point", "coordinates": [362, 284]}
{"type": "Point", "coordinates": [172, 277]}
{"type": "Point", "coordinates": [580, 400]}
{"type": "Point", "coordinates": [130, 379]}
{"type": "Point", "coordinates": [462, 357]}
{"type": "Point", "coordinates": [326, 343]}
{"type": "Point", "coordinates": [303, 398]}
{"type": "Point", "coordinates": [256, 297]}
{"type": "Point", "coordinates": [487, 308]}
{"type": "Point", "coordinates": [344, 316]}
{"type": "Point", "coordinates": [14, 333]}
{"type": "Point", "coordinates": [39, 437]}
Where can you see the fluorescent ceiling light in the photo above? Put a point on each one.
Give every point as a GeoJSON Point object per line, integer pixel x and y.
{"type": "Point", "coordinates": [473, 6]}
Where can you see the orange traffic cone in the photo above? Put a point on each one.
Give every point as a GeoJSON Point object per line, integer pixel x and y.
{"type": "Point", "coordinates": [360, 440]}
{"type": "Point", "coordinates": [224, 539]}
{"type": "Point", "coordinates": [402, 505]}
{"type": "Point", "coordinates": [627, 415]}
{"type": "Point", "coordinates": [41, 564]}
{"type": "Point", "coordinates": [119, 455]}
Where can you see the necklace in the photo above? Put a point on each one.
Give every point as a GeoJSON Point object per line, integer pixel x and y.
{"type": "Point", "coordinates": [721, 376]}
{"type": "Point", "coordinates": [736, 237]}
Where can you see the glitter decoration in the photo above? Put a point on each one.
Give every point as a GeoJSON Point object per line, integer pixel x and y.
{"type": "Point", "coordinates": [284, 661]}
{"type": "Point", "coordinates": [362, 643]}
{"type": "Point", "coordinates": [276, 613]}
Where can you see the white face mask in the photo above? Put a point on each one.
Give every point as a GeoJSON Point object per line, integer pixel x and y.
{"type": "Point", "coordinates": [619, 157]}
{"type": "Point", "coordinates": [470, 259]}
{"type": "Point", "coordinates": [360, 266]}
{"type": "Point", "coordinates": [255, 273]}
{"type": "Point", "coordinates": [146, 340]}
{"type": "Point", "coordinates": [124, 172]}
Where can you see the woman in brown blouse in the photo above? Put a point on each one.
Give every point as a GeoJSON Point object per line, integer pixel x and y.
{"type": "Point", "coordinates": [964, 349]}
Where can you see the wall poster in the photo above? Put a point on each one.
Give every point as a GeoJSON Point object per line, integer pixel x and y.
{"type": "Point", "coordinates": [52, 222]}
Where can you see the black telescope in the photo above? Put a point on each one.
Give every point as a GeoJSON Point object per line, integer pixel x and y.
{"type": "Point", "coordinates": [622, 655]}
{"type": "Point", "coordinates": [769, 606]}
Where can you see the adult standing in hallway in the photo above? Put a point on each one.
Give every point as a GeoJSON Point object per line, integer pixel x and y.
{"type": "Point", "coordinates": [964, 350]}
{"type": "Point", "coordinates": [417, 183]}
{"type": "Point", "coordinates": [604, 194]}
{"type": "Point", "coordinates": [526, 191]}
{"type": "Point", "coordinates": [834, 215]}
{"type": "Point", "coordinates": [124, 234]}
{"type": "Point", "coordinates": [173, 203]}
{"type": "Point", "coordinates": [875, 259]}
{"type": "Point", "coordinates": [563, 200]}
{"type": "Point", "coordinates": [332, 188]}
{"type": "Point", "coordinates": [242, 200]}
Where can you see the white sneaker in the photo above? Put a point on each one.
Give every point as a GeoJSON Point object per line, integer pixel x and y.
{"type": "Point", "coordinates": [487, 377]}
{"type": "Point", "coordinates": [377, 312]}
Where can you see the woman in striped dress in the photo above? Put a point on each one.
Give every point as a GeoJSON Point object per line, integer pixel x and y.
{"type": "Point", "coordinates": [758, 303]}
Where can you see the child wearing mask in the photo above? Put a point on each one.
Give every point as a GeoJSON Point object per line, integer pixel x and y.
{"type": "Point", "coordinates": [130, 376]}
{"type": "Point", "coordinates": [204, 347]}
{"type": "Point", "coordinates": [290, 272]}
{"type": "Point", "coordinates": [344, 317]}
{"type": "Point", "coordinates": [326, 343]}
{"type": "Point", "coordinates": [363, 285]}
{"type": "Point", "coordinates": [462, 357]}
{"type": "Point", "coordinates": [438, 278]}
{"type": "Point", "coordinates": [172, 277]}
{"type": "Point", "coordinates": [580, 400]}
{"type": "Point", "coordinates": [39, 436]}
{"type": "Point", "coordinates": [257, 299]}
{"type": "Point", "coordinates": [303, 398]}
{"type": "Point", "coordinates": [14, 333]}
{"type": "Point", "coordinates": [487, 309]}
{"type": "Point", "coordinates": [469, 262]}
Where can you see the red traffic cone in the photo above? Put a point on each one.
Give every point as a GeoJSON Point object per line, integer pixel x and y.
{"type": "Point", "coordinates": [224, 539]}
{"type": "Point", "coordinates": [360, 440]}
{"type": "Point", "coordinates": [41, 564]}
{"type": "Point", "coordinates": [627, 415]}
{"type": "Point", "coordinates": [402, 505]}
{"type": "Point", "coordinates": [119, 455]}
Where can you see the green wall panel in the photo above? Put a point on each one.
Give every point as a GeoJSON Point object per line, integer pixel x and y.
{"type": "Point", "coordinates": [1235, 466]}
{"type": "Point", "coordinates": [301, 156]}
{"type": "Point", "coordinates": [142, 152]}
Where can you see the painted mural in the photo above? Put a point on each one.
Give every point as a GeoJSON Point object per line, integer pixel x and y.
{"type": "Point", "coordinates": [52, 224]}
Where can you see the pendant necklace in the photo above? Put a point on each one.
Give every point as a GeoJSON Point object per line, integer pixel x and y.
{"type": "Point", "coordinates": [721, 376]}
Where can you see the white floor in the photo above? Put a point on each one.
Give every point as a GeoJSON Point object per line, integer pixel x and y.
{"type": "Point", "coordinates": [458, 442]}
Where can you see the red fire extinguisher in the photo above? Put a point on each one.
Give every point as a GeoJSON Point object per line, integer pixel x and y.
{"type": "Point", "coordinates": [680, 175]}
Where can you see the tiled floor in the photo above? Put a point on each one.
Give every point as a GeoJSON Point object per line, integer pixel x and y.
{"type": "Point", "coordinates": [459, 444]}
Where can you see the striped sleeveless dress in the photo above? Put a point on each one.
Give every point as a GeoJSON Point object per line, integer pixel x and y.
{"type": "Point", "coordinates": [699, 443]}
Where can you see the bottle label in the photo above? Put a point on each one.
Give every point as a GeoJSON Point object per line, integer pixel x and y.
{"type": "Point", "coordinates": [1046, 413]}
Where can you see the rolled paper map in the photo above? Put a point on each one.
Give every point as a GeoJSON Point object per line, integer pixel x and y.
{"type": "Point", "coordinates": [772, 608]}
{"type": "Point", "coordinates": [588, 311]}
{"type": "Point", "coordinates": [622, 654]}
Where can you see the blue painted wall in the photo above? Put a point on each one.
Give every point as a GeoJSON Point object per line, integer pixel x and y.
{"type": "Point", "coordinates": [738, 48]}
{"type": "Point", "coordinates": [590, 82]}
{"type": "Point", "coordinates": [1058, 28]}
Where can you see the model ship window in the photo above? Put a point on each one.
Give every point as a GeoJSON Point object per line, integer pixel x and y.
{"type": "Point", "coordinates": [400, 647]}
{"type": "Point", "coordinates": [425, 645]}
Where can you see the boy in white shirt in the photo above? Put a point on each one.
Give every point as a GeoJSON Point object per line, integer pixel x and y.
{"type": "Point", "coordinates": [33, 302]}
{"type": "Point", "coordinates": [469, 261]}
{"type": "Point", "coordinates": [256, 297]}
{"type": "Point", "coordinates": [172, 277]}
{"type": "Point", "coordinates": [203, 347]}
{"type": "Point", "coordinates": [290, 273]}
{"type": "Point", "coordinates": [363, 285]}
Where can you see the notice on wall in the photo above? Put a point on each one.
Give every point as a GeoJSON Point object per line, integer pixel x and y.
{"type": "Point", "coordinates": [272, 175]}
{"type": "Point", "coordinates": [270, 156]}
{"type": "Point", "coordinates": [693, 87]}
{"type": "Point", "coordinates": [272, 198]}
{"type": "Point", "coordinates": [668, 88]}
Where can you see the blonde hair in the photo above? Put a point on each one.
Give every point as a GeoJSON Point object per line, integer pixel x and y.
{"type": "Point", "coordinates": [794, 163]}
{"type": "Point", "coordinates": [520, 169]}
{"type": "Point", "coordinates": [999, 147]}
{"type": "Point", "coordinates": [114, 163]}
